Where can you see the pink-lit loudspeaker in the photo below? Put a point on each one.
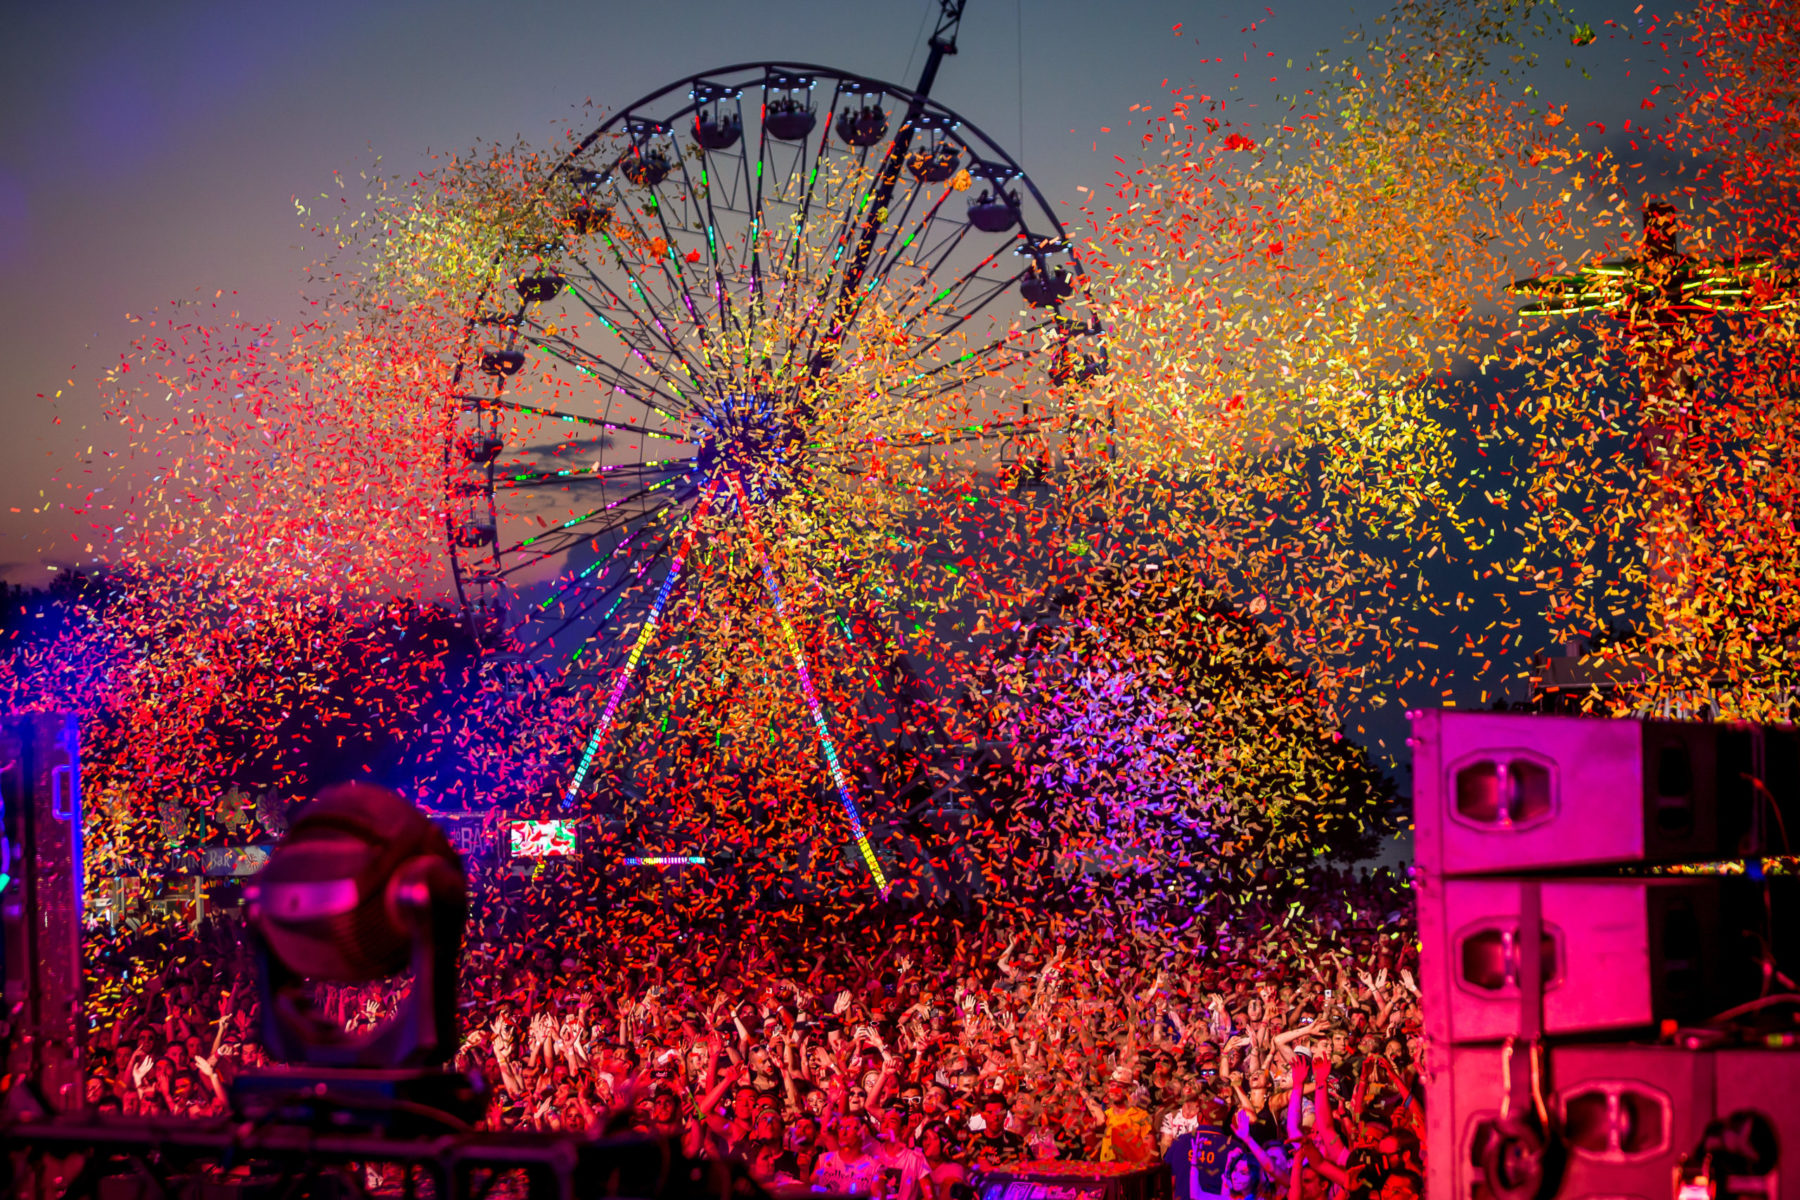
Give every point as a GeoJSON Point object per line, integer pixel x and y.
{"type": "Point", "coordinates": [40, 903]}
{"type": "Point", "coordinates": [1629, 1113]}
{"type": "Point", "coordinates": [1616, 954]}
{"type": "Point", "coordinates": [1498, 793]}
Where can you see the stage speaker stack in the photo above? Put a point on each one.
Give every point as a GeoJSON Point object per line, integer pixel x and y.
{"type": "Point", "coordinates": [40, 905]}
{"type": "Point", "coordinates": [1561, 943]}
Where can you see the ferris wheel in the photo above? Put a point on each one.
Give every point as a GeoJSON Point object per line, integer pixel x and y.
{"type": "Point", "coordinates": [776, 300]}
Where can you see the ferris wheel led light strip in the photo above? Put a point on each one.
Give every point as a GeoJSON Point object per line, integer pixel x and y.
{"type": "Point", "coordinates": [806, 687]}
{"type": "Point", "coordinates": [605, 508]}
{"type": "Point", "coordinates": [592, 749]}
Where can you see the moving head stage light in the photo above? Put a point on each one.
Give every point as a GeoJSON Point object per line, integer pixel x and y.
{"type": "Point", "coordinates": [363, 888]}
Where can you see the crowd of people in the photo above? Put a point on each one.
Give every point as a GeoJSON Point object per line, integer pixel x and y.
{"type": "Point", "coordinates": [1264, 1051]}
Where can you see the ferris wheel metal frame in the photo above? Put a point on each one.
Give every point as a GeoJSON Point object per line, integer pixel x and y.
{"type": "Point", "coordinates": [734, 429]}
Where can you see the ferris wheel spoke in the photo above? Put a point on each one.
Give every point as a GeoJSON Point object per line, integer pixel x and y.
{"type": "Point", "coordinates": [636, 522]}
{"type": "Point", "coordinates": [945, 384]}
{"type": "Point", "coordinates": [643, 333]}
{"type": "Point", "coordinates": [674, 270]}
{"type": "Point", "coordinates": [648, 539]}
{"type": "Point", "coordinates": [852, 215]}
{"type": "Point", "coordinates": [755, 229]}
{"type": "Point", "coordinates": [846, 794]}
{"type": "Point", "coordinates": [666, 322]}
{"type": "Point", "coordinates": [612, 383]}
{"type": "Point", "coordinates": [964, 313]}
{"type": "Point", "coordinates": [655, 358]}
{"type": "Point", "coordinates": [974, 294]}
{"type": "Point", "coordinates": [960, 299]}
{"type": "Point", "coordinates": [933, 256]}
{"type": "Point", "coordinates": [982, 431]}
{"type": "Point", "coordinates": [546, 548]}
{"type": "Point", "coordinates": [915, 236]}
{"type": "Point", "coordinates": [729, 322]}
{"type": "Point", "coordinates": [611, 595]}
{"type": "Point", "coordinates": [668, 264]}
{"type": "Point", "coordinates": [953, 296]}
{"type": "Point", "coordinates": [970, 368]}
{"type": "Point", "coordinates": [579, 419]}
{"type": "Point", "coordinates": [854, 283]}
{"type": "Point", "coordinates": [571, 532]}
{"type": "Point", "coordinates": [646, 632]}
{"type": "Point", "coordinates": [754, 206]}
{"type": "Point", "coordinates": [616, 591]}
{"type": "Point", "coordinates": [730, 185]}
{"type": "Point", "coordinates": [785, 319]}
{"type": "Point", "coordinates": [598, 473]}
{"type": "Point", "coordinates": [792, 255]}
{"type": "Point", "coordinates": [852, 199]}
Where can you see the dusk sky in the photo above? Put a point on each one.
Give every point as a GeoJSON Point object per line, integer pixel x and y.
{"type": "Point", "coordinates": [151, 153]}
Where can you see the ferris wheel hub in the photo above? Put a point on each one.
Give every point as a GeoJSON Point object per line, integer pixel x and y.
{"type": "Point", "coordinates": [752, 436]}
